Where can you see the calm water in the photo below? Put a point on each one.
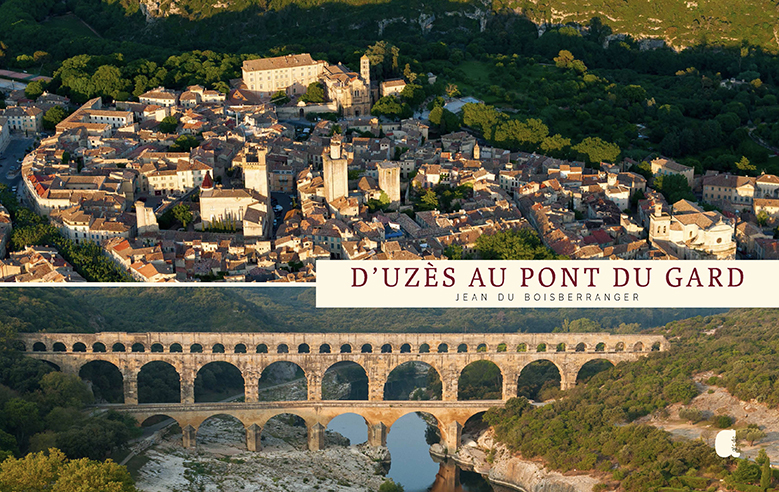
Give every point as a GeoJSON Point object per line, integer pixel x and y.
{"type": "Point", "coordinates": [412, 466]}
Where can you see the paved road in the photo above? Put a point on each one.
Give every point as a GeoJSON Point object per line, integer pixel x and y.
{"type": "Point", "coordinates": [16, 149]}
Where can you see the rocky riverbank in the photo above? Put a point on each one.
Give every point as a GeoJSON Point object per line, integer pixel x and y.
{"type": "Point", "coordinates": [221, 462]}
{"type": "Point", "coordinates": [482, 454]}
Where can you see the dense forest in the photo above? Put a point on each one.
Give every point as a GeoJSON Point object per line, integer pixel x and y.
{"type": "Point", "coordinates": [88, 310]}
{"type": "Point", "coordinates": [591, 428]}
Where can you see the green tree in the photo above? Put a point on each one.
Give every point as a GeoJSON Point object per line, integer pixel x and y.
{"type": "Point", "coordinates": [429, 201]}
{"type": "Point", "coordinates": [169, 124]}
{"type": "Point", "coordinates": [390, 107]}
{"type": "Point", "coordinates": [744, 165]}
{"type": "Point", "coordinates": [53, 472]}
{"type": "Point", "coordinates": [766, 473]}
{"type": "Point", "coordinates": [523, 244]}
{"type": "Point", "coordinates": [413, 94]}
{"type": "Point", "coordinates": [674, 187]}
{"type": "Point", "coordinates": [33, 90]}
{"type": "Point", "coordinates": [54, 115]}
{"type": "Point", "coordinates": [184, 143]}
{"type": "Point", "coordinates": [454, 252]}
{"type": "Point", "coordinates": [182, 213]}
{"type": "Point", "coordinates": [389, 485]}
{"type": "Point", "coordinates": [596, 150]}
{"type": "Point", "coordinates": [279, 98]}
{"type": "Point", "coordinates": [750, 434]}
{"type": "Point", "coordinates": [315, 93]}
{"type": "Point", "coordinates": [564, 59]}
{"type": "Point", "coordinates": [64, 390]}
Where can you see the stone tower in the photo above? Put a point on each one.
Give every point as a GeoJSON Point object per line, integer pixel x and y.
{"type": "Point", "coordinates": [335, 171]}
{"type": "Point", "coordinates": [659, 224]}
{"type": "Point", "coordinates": [145, 219]}
{"type": "Point", "coordinates": [255, 171]}
{"type": "Point", "coordinates": [389, 181]}
{"type": "Point", "coordinates": [365, 70]}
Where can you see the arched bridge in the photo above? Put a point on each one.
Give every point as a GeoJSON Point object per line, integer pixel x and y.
{"type": "Point", "coordinates": [377, 353]}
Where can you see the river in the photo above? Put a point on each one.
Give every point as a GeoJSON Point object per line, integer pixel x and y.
{"type": "Point", "coordinates": [412, 466]}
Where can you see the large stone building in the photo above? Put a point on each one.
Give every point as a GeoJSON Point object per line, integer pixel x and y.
{"type": "Point", "coordinates": [690, 233]}
{"type": "Point", "coordinates": [23, 119]}
{"type": "Point", "coordinates": [349, 91]}
{"type": "Point", "coordinates": [290, 73]}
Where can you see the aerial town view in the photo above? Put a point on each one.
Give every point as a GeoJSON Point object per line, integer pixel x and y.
{"type": "Point", "coordinates": [489, 136]}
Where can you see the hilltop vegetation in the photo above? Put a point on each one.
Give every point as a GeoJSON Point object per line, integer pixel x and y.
{"type": "Point", "coordinates": [591, 428]}
{"type": "Point", "coordinates": [286, 309]}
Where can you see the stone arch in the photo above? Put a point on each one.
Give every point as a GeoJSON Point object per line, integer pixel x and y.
{"type": "Point", "coordinates": [98, 347]}
{"type": "Point", "coordinates": [342, 373]}
{"type": "Point", "coordinates": [367, 348]}
{"type": "Point", "coordinates": [581, 347]}
{"type": "Point", "coordinates": [106, 380]}
{"type": "Point", "coordinates": [176, 348]}
{"type": "Point", "coordinates": [386, 348]}
{"type": "Point", "coordinates": [405, 348]}
{"type": "Point", "coordinates": [157, 347]}
{"type": "Point", "coordinates": [333, 425]}
{"type": "Point", "coordinates": [346, 349]}
{"type": "Point", "coordinates": [443, 348]}
{"type": "Point", "coordinates": [303, 348]}
{"type": "Point", "coordinates": [408, 378]}
{"type": "Point", "coordinates": [462, 348]}
{"type": "Point", "coordinates": [159, 382]}
{"type": "Point", "coordinates": [219, 428]}
{"type": "Point", "coordinates": [282, 381]}
{"type": "Point", "coordinates": [472, 426]}
{"type": "Point", "coordinates": [560, 347]}
{"type": "Point", "coordinates": [591, 368]}
{"type": "Point", "coordinates": [218, 348]}
{"type": "Point", "coordinates": [196, 348]}
{"type": "Point", "coordinates": [39, 347]}
{"type": "Point", "coordinates": [619, 347]}
{"type": "Point", "coordinates": [541, 347]}
{"type": "Point", "coordinates": [282, 349]}
{"type": "Point", "coordinates": [138, 347]}
{"type": "Point", "coordinates": [600, 347]}
{"type": "Point", "coordinates": [424, 349]}
{"type": "Point", "coordinates": [502, 347]}
{"type": "Point", "coordinates": [117, 347]}
{"type": "Point", "coordinates": [431, 434]}
{"type": "Point", "coordinates": [638, 347]}
{"type": "Point", "coordinates": [239, 349]}
{"type": "Point", "coordinates": [324, 348]}
{"type": "Point", "coordinates": [19, 345]}
{"type": "Point", "coordinates": [218, 380]}
{"type": "Point", "coordinates": [270, 427]}
{"type": "Point", "coordinates": [522, 347]}
{"type": "Point", "coordinates": [656, 347]}
{"type": "Point", "coordinates": [482, 347]}
{"type": "Point", "coordinates": [156, 419]}
{"type": "Point", "coordinates": [51, 364]}
{"type": "Point", "coordinates": [79, 347]}
{"type": "Point", "coordinates": [59, 347]}
{"type": "Point", "coordinates": [539, 378]}
{"type": "Point", "coordinates": [480, 380]}
{"type": "Point", "coordinates": [262, 349]}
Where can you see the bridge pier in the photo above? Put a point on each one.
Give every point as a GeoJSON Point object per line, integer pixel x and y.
{"type": "Point", "coordinates": [451, 436]}
{"type": "Point", "coordinates": [316, 437]}
{"type": "Point", "coordinates": [377, 435]}
{"type": "Point", "coordinates": [509, 386]}
{"type": "Point", "coordinates": [189, 437]}
{"type": "Point", "coordinates": [314, 386]}
{"type": "Point", "coordinates": [567, 380]}
{"type": "Point", "coordinates": [449, 390]}
{"type": "Point", "coordinates": [251, 390]}
{"type": "Point", "coordinates": [130, 388]}
{"type": "Point", "coordinates": [187, 388]}
{"type": "Point", "coordinates": [376, 389]}
{"type": "Point", "coordinates": [253, 433]}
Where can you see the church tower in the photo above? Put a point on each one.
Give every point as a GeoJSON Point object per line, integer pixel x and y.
{"type": "Point", "coordinates": [365, 70]}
